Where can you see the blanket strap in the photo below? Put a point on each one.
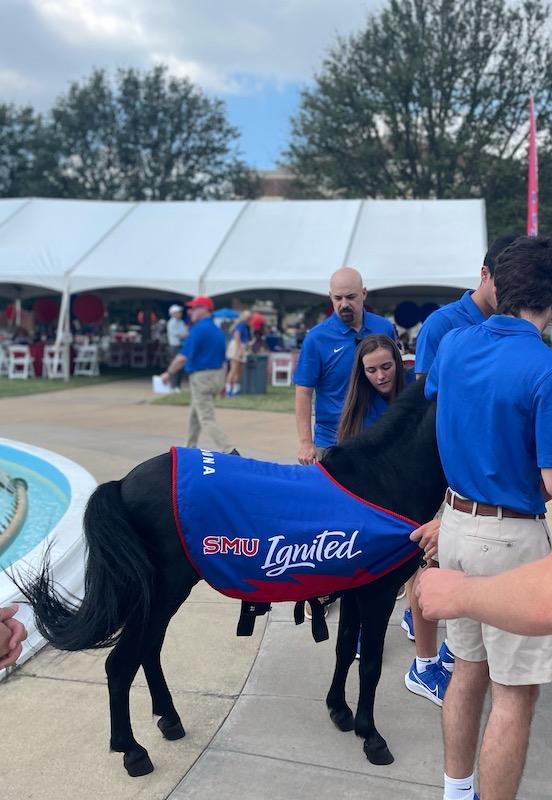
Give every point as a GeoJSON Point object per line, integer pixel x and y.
{"type": "Point", "coordinates": [318, 623]}
{"type": "Point", "coordinates": [248, 614]}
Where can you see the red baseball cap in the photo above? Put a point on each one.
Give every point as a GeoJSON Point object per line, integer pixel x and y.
{"type": "Point", "coordinates": [204, 302]}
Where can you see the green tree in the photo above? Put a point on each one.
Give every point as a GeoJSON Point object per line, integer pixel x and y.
{"type": "Point", "coordinates": [22, 155]}
{"type": "Point", "coordinates": [429, 100]}
{"type": "Point", "coordinates": [144, 136]}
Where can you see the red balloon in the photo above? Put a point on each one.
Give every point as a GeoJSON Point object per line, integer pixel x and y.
{"type": "Point", "coordinates": [140, 317]}
{"type": "Point", "coordinates": [45, 309]}
{"type": "Point", "coordinates": [257, 321]}
{"type": "Point", "coordinates": [88, 308]}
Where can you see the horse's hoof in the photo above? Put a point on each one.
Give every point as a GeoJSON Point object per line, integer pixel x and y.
{"type": "Point", "coordinates": [171, 730]}
{"type": "Point", "coordinates": [137, 764]}
{"type": "Point", "coordinates": [378, 753]}
{"type": "Point", "coordinates": [342, 718]}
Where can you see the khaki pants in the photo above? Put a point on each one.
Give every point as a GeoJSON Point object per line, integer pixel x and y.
{"type": "Point", "coordinates": [480, 545]}
{"type": "Point", "coordinates": [204, 387]}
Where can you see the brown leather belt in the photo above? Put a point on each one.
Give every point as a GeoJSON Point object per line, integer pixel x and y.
{"type": "Point", "coordinates": [485, 510]}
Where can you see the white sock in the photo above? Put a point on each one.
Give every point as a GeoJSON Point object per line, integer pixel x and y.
{"type": "Point", "coordinates": [458, 788]}
{"type": "Point", "coordinates": [423, 663]}
{"type": "Point", "coordinates": [228, 388]}
{"type": "Point", "coordinates": [237, 387]}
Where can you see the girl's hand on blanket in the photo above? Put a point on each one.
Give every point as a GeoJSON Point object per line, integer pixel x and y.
{"type": "Point", "coordinates": [427, 537]}
{"type": "Point", "coordinates": [307, 453]}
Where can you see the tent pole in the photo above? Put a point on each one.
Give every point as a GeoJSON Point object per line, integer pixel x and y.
{"type": "Point", "coordinates": [62, 329]}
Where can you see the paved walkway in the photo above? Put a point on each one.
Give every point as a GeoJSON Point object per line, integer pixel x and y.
{"type": "Point", "coordinates": [256, 722]}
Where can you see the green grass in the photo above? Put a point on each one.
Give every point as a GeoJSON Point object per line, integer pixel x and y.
{"type": "Point", "coordinates": [277, 398]}
{"type": "Point", "coordinates": [20, 388]}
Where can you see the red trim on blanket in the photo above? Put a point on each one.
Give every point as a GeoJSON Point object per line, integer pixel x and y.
{"type": "Point", "coordinates": [366, 502]}
{"type": "Point", "coordinates": [176, 515]}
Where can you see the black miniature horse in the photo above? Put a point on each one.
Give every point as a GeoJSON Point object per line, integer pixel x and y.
{"type": "Point", "coordinates": [137, 574]}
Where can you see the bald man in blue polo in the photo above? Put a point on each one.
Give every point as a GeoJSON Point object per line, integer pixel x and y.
{"type": "Point", "coordinates": [326, 361]}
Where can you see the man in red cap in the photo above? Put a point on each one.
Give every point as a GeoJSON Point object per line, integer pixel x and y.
{"type": "Point", "coordinates": [202, 355]}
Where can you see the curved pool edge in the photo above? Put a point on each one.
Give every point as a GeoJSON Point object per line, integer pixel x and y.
{"type": "Point", "coordinates": [66, 539]}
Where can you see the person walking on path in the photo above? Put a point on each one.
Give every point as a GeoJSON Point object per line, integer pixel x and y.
{"type": "Point", "coordinates": [493, 386]}
{"type": "Point", "coordinates": [326, 360]}
{"type": "Point", "coordinates": [430, 671]}
{"type": "Point", "coordinates": [177, 330]}
{"type": "Point", "coordinates": [203, 355]}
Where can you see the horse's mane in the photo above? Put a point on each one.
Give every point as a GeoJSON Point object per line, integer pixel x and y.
{"type": "Point", "coordinates": [399, 449]}
{"type": "Point", "coordinates": [404, 416]}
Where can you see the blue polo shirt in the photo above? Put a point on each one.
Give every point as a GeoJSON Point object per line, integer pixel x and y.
{"type": "Point", "coordinates": [205, 347]}
{"type": "Point", "coordinates": [460, 314]}
{"type": "Point", "coordinates": [243, 330]}
{"type": "Point", "coordinates": [493, 384]}
{"type": "Point", "coordinates": [325, 365]}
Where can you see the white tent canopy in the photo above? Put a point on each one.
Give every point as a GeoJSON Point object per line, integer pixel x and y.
{"type": "Point", "coordinates": [227, 247]}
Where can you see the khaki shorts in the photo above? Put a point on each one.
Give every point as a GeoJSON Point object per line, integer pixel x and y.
{"type": "Point", "coordinates": [236, 353]}
{"type": "Point", "coordinates": [488, 546]}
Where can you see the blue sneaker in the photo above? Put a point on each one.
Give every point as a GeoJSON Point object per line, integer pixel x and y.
{"type": "Point", "coordinates": [407, 624]}
{"type": "Point", "coordinates": [476, 797]}
{"type": "Point", "coordinates": [431, 683]}
{"type": "Point", "coordinates": [446, 657]}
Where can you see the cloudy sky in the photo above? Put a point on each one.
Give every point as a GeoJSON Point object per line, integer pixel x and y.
{"type": "Point", "coordinates": [255, 54]}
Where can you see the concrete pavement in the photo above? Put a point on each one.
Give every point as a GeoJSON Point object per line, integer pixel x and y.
{"type": "Point", "coordinates": [253, 708]}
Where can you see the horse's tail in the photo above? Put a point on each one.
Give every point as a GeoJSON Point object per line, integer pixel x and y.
{"type": "Point", "coordinates": [117, 581]}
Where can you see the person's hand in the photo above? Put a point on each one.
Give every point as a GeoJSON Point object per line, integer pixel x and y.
{"type": "Point", "coordinates": [307, 453]}
{"type": "Point", "coordinates": [165, 377]}
{"type": "Point", "coordinates": [427, 537]}
{"type": "Point", "coordinates": [12, 634]}
{"type": "Point", "coordinates": [439, 593]}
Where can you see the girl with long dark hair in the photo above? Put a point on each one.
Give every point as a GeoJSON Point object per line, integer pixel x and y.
{"type": "Point", "coordinates": [378, 376]}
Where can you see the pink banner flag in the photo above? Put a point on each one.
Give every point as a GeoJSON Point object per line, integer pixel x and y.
{"type": "Point", "coordinates": [533, 178]}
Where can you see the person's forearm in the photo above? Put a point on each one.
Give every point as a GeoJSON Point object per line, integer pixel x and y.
{"type": "Point", "coordinates": [519, 601]}
{"type": "Point", "coordinates": [176, 364]}
{"type": "Point", "coordinates": [303, 406]}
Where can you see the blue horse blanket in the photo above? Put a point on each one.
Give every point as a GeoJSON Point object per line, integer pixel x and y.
{"type": "Point", "coordinates": [265, 532]}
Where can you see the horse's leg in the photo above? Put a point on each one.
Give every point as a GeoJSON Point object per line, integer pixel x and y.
{"type": "Point", "coordinates": [376, 601]}
{"type": "Point", "coordinates": [169, 723]}
{"type": "Point", "coordinates": [345, 651]}
{"type": "Point", "coordinates": [121, 667]}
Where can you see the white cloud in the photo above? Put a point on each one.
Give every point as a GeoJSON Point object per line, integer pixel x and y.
{"type": "Point", "coordinates": [227, 46]}
{"type": "Point", "coordinates": [12, 81]}
{"type": "Point", "coordinates": [85, 20]}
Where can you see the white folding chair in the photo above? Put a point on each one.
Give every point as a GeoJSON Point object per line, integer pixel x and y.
{"type": "Point", "coordinates": [86, 361]}
{"type": "Point", "coordinates": [115, 355]}
{"type": "Point", "coordinates": [281, 369]}
{"type": "Point", "coordinates": [138, 356]}
{"type": "Point", "coordinates": [4, 361]}
{"type": "Point", "coordinates": [20, 362]}
{"type": "Point", "coordinates": [55, 362]}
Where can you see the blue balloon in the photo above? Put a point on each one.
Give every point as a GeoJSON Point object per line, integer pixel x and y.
{"type": "Point", "coordinates": [407, 314]}
{"type": "Point", "coordinates": [426, 309]}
